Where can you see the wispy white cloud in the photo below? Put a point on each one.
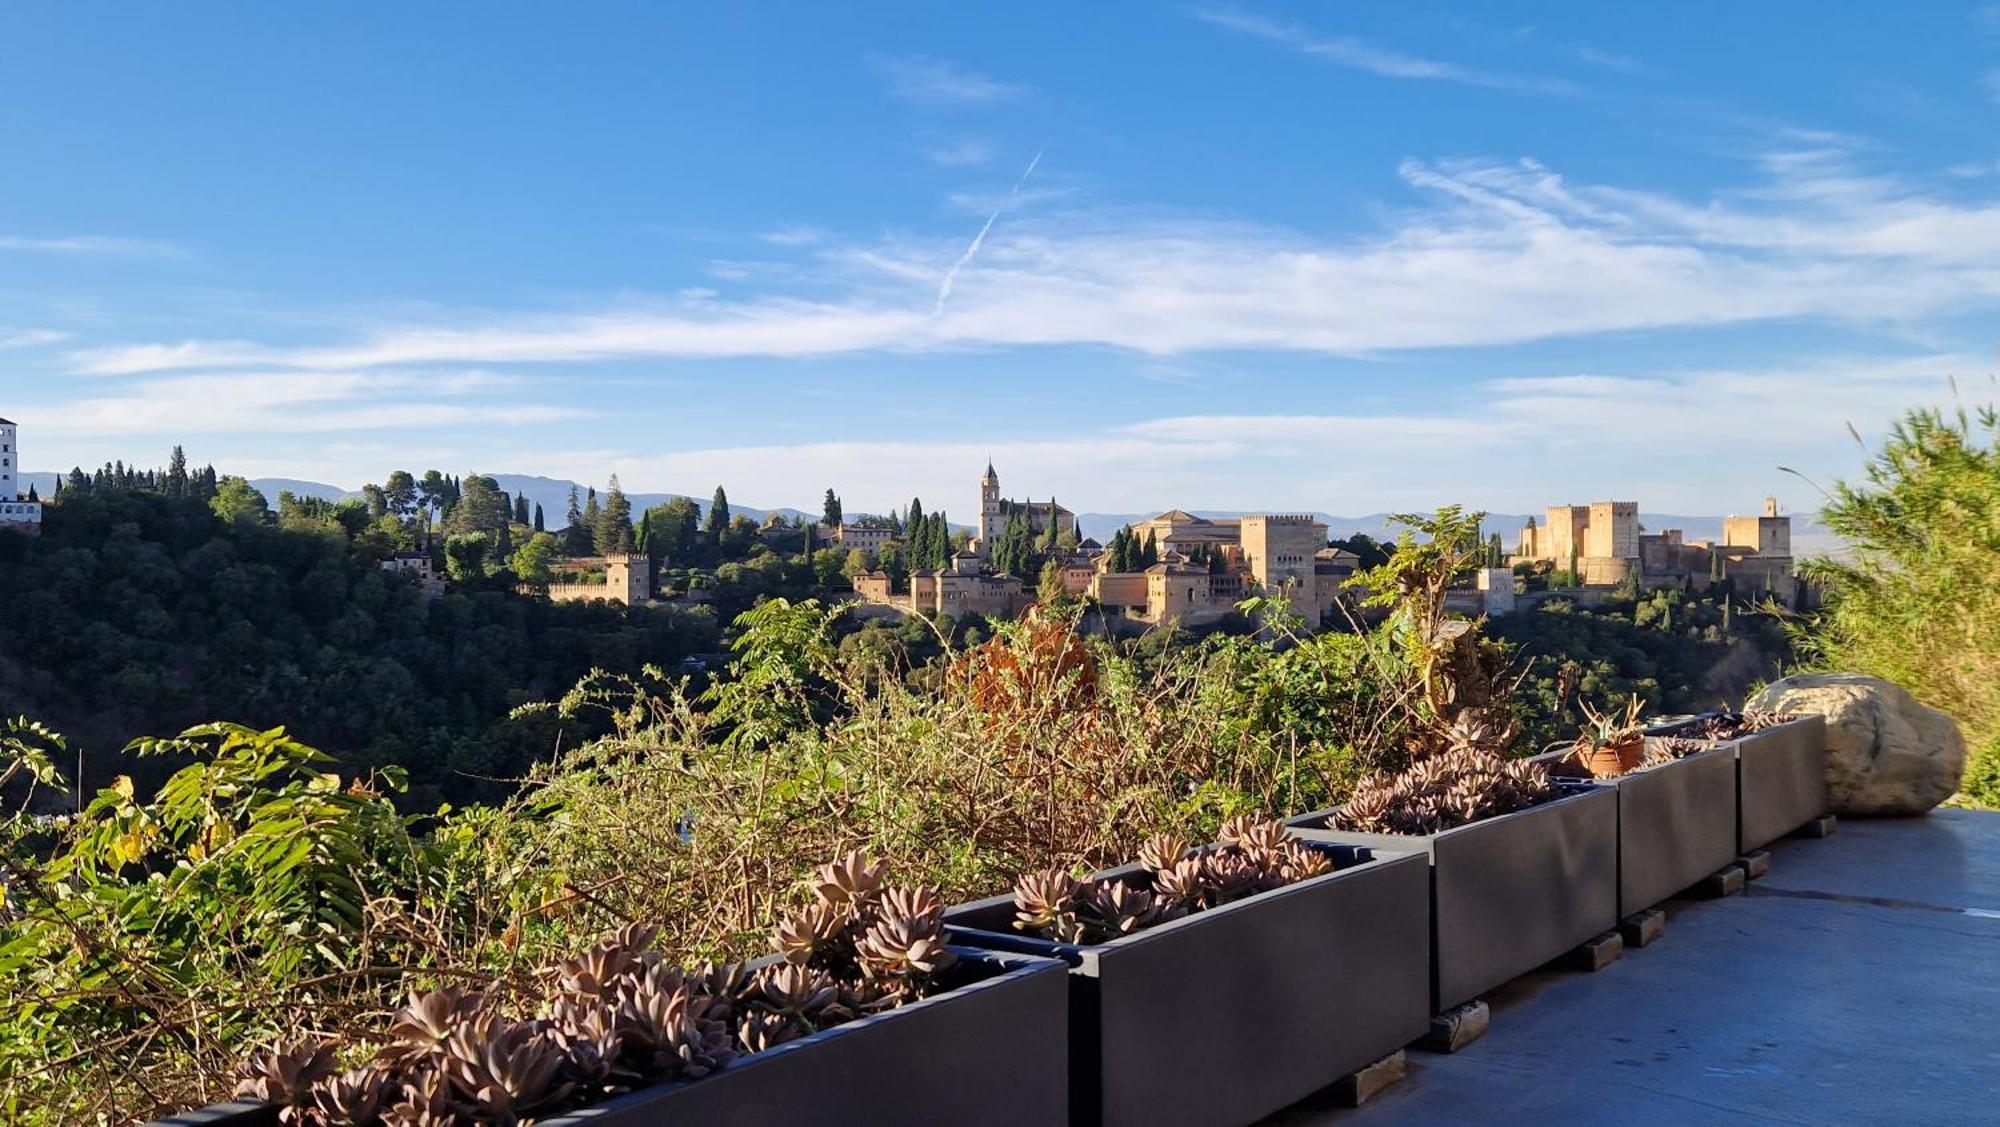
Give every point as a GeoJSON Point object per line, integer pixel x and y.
{"type": "Point", "coordinates": [1614, 61]}
{"type": "Point", "coordinates": [1510, 445]}
{"type": "Point", "coordinates": [1363, 55]}
{"type": "Point", "coordinates": [965, 152]}
{"type": "Point", "coordinates": [31, 338]}
{"type": "Point", "coordinates": [1492, 253]}
{"type": "Point", "coordinates": [929, 81]}
{"type": "Point", "coordinates": [298, 402]}
{"type": "Point", "coordinates": [795, 235]}
{"type": "Point", "coordinates": [92, 245]}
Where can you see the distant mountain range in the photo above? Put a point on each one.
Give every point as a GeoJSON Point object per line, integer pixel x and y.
{"type": "Point", "coordinates": [1809, 538]}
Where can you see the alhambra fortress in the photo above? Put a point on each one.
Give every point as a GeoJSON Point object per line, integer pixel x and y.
{"type": "Point", "coordinates": [1205, 566]}
{"type": "Point", "coordinates": [1208, 565]}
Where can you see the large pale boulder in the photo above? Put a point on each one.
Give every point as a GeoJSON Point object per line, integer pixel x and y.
{"type": "Point", "coordinates": [1886, 753]}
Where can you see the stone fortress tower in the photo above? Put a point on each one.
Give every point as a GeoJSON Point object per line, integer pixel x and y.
{"type": "Point", "coordinates": [990, 521]}
{"type": "Point", "coordinates": [1766, 535]}
{"type": "Point", "coordinates": [1601, 538]}
{"type": "Point", "coordinates": [15, 513]}
{"type": "Point", "coordinates": [1281, 554]}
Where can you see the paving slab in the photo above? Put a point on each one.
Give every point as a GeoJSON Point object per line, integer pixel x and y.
{"type": "Point", "coordinates": [1858, 983]}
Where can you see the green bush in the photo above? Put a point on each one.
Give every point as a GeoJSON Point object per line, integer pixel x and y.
{"type": "Point", "coordinates": [1917, 601]}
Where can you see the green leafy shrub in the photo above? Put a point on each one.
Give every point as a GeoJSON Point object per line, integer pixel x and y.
{"type": "Point", "coordinates": [1917, 601]}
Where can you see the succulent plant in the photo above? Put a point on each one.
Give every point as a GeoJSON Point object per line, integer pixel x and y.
{"type": "Point", "coordinates": [905, 950]}
{"type": "Point", "coordinates": [794, 993]}
{"type": "Point", "coordinates": [418, 1031]}
{"type": "Point", "coordinates": [1163, 851]}
{"type": "Point", "coordinates": [587, 1034]}
{"type": "Point", "coordinates": [761, 1030]}
{"type": "Point", "coordinates": [1454, 788]}
{"type": "Point", "coordinates": [286, 1076]}
{"type": "Point", "coordinates": [426, 1101]}
{"type": "Point", "coordinates": [808, 932]}
{"type": "Point", "coordinates": [673, 1031]}
{"type": "Point", "coordinates": [502, 1071]}
{"type": "Point", "coordinates": [354, 1098]}
{"type": "Point", "coordinates": [619, 1016]}
{"type": "Point", "coordinates": [852, 882]}
{"type": "Point", "coordinates": [1250, 856]}
{"type": "Point", "coordinates": [1045, 903]}
{"type": "Point", "coordinates": [1729, 725]}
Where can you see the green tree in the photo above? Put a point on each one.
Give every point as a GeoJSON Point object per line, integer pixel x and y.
{"type": "Point", "coordinates": [830, 510]}
{"type": "Point", "coordinates": [673, 532]}
{"type": "Point", "coordinates": [399, 493]}
{"type": "Point", "coordinates": [465, 556]}
{"type": "Point", "coordinates": [177, 473]}
{"type": "Point", "coordinates": [538, 517]}
{"type": "Point", "coordinates": [613, 531]}
{"type": "Point", "coordinates": [236, 500]}
{"type": "Point", "coordinates": [576, 532]}
{"type": "Point", "coordinates": [716, 521]}
{"type": "Point", "coordinates": [1050, 589]}
{"type": "Point", "coordinates": [533, 561]}
{"type": "Point", "coordinates": [829, 564]}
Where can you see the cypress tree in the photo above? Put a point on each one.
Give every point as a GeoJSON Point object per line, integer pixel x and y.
{"type": "Point", "coordinates": [718, 518]}
{"type": "Point", "coordinates": [538, 517]}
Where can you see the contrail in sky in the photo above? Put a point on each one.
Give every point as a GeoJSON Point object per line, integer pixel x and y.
{"type": "Point", "coordinates": [951, 275]}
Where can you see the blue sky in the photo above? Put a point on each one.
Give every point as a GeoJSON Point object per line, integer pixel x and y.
{"type": "Point", "coordinates": [1338, 257]}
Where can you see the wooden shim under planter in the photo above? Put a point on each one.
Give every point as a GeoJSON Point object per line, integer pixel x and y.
{"type": "Point", "coordinates": [1365, 1084]}
{"type": "Point", "coordinates": [1642, 928]}
{"type": "Point", "coordinates": [1457, 1027]}
{"type": "Point", "coordinates": [1268, 999]}
{"type": "Point", "coordinates": [992, 1051]}
{"type": "Point", "coordinates": [1508, 894]}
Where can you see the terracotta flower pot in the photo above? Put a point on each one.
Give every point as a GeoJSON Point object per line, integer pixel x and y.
{"type": "Point", "coordinates": [1621, 756]}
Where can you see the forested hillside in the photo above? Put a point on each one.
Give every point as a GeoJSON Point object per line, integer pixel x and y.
{"type": "Point", "coordinates": [136, 612]}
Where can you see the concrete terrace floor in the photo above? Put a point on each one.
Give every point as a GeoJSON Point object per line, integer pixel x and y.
{"type": "Point", "coordinates": [1859, 982]}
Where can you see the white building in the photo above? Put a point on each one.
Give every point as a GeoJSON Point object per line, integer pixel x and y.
{"type": "Point", "coordinates": [15, 513]}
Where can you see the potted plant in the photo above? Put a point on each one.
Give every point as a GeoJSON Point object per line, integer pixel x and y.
{"type": "Point", "coordinates": [1610, 743]}
{"type": "Point", "coordinates": [1523, 866]}
{"type": "Point", "coordinates": [855, 1019]}
{"type": "Point", "coordinates": [1217, 985]}
{"type": "Point", "coordinates": [1780, 768]}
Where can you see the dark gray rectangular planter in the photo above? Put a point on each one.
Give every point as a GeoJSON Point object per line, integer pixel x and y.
{"type": "Point", "coordinates": [1780, 778]}
{"type": "Point", "coordinates": [1508, 893]}
{"type": "Point", "coordinates": [1676, 825]}
{"type": "Point", "coordinates": [1225, 1016]}
{"type": "Point", "coordinates": [1782, 775]}
{"type": "Point", "coordinates": [991, 1052]}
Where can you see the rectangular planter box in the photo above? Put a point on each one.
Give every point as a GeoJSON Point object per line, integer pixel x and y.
{"type": "Point", "coordinates": [988, 1052]}
{"type": "Point", "coordinates": [1225, 1016]}
{"type": "Point", "coordinates": [1780, 779]}
{"type": "Point", "coordinates": [1509, 893]}
{"type": "Point", "coordinates": [1676, 825]}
